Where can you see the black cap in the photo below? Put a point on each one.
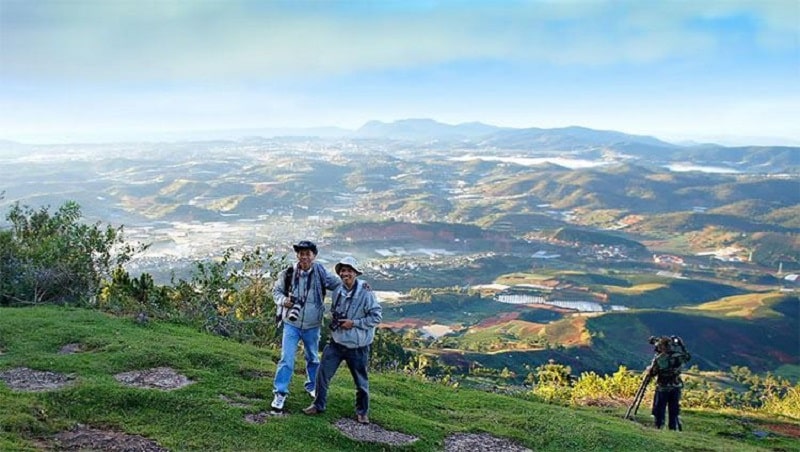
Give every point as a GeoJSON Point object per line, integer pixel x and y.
{"type": "Point", "coordinates": [305, 245]}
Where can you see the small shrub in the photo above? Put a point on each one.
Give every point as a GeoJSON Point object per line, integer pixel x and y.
{"type": "Point", "coordinates": [786, 405]}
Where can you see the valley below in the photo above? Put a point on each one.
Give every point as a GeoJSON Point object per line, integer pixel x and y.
{"type": "Point", "coordinates": [497, 255]}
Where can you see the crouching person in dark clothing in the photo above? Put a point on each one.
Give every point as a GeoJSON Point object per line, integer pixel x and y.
{"type": "Point", "coordinates": [666, 369]}
{"type": "Point", "coordinates": [356, 312]}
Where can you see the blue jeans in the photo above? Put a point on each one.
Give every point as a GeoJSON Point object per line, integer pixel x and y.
{"type": "Point", "coordinates": [291, 336]}
{"type": "Point", "coordinates": [356, 359]}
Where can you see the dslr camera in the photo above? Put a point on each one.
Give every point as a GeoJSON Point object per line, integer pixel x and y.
{"type": "Point", "coordinates": [336, 321]}
{"type": "Point", "coordinates": [294, 311]}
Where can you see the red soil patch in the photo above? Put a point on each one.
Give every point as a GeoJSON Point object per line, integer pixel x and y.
{"type": "Point", "coordinates": [568, 333]}
{"type": "Point", "coordinates": [500, 319]}
{"type": "Point", "coordinates": [785, 429]}
{"type": "Point", "coordinates": [782, 357]}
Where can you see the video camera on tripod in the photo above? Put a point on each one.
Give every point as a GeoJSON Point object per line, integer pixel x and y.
{"type": "Point", "coordinates": [662, 344]}
{"type": "Point", "coordinates": [669, 343]}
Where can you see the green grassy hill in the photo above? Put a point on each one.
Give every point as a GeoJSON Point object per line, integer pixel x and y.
{"type": "Point", "coordinates": [197, 417]}
{"type": "Point", "coordinates": [764, 339]}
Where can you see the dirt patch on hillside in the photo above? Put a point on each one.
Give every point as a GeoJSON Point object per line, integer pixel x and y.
{"type": "Point", "coordinates": [162, 378]}
{"type": "Point", "coordinates": [498, 320]}
{"type": "Point", "coordinates": [470, 442]}
{"type": "Point", "coordinates": [29, 380]}
{"type": "Point", "coordinates": [570, 333]}
{"type": "Point", "coordinates": [82, 438]}
{"type": "Point", "coordinates": [372, 433]}
{"type": "Point", "coordinates": [785, 429]}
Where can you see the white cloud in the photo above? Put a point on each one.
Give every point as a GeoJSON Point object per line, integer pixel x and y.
{"type": "Point", "coordinates": [251, 40]}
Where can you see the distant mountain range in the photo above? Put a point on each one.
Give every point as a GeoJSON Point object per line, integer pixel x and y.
{"type": "Point", "coordinates": [582, 142]}
{"type": "Point", "coordinates": [488, 135]}
{"type": "Point", "coordinates": [428, 130]}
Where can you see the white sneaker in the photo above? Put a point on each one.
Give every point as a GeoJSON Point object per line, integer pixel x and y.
{"type": "Point", "coordinates": [278, 401]}
{"type": "Point", "coordinates": [312, 393]}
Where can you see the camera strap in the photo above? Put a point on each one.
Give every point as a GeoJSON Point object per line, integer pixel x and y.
{"type": "Point", "coordinates": [307, 284]}
{"type": "Point", "coordinates": [351, 294]}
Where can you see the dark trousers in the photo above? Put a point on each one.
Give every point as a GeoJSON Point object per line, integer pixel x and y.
{"type": "Point", "coordinates": [667, 398]}
{"type": "Point", "coordinates": [356, 359]}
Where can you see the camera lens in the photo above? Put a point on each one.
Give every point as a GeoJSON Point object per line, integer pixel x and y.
{"type": "Point", "coordinates": [293, 314]}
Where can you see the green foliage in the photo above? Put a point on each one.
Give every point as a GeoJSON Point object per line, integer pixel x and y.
{"type": "Point", "coordinates": [229, 297]}
{"type": "Point", "coordinates": [767, 393]}
{"type": "Point", "coordinates": [426, 365]}
{"type": "Point", "coordinates": [123, 294]}
{"type": "Point", "coordinates": [388, 352]}
{"type": "Point", "coordinates": [232, 299]}
{"type": "Point", "coordinates": [786, 405]}
{"type": "Point", "coordinates": [591, 388]}
{"type": "Point", "coordinates": [553, 382]}
{"type": "Point", "coordinates": [54, 257]}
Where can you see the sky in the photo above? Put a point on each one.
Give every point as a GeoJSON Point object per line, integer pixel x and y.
{"type": "Point", "coordinates": [726, 71]}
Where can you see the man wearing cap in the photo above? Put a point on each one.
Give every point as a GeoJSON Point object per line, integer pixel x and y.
{"type": "Point", "coordinates": [355, 314]}
{"type": "Point", "coordinates": [299, 292]}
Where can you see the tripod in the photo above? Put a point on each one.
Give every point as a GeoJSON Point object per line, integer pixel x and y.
{"type": "Point", "coordinates": [637, 399]}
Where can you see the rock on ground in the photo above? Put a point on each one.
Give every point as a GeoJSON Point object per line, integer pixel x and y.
{"type": "Point", "coordinates": [162, 378]}
{"type": "Point", "coordinates": [471, 442]}
{"type": "Point", "coordinates": [372, 433]}
{"type": "Point", "coordinates": [82, 438]}
{"type": "Point", "coordinates": [24, 379]}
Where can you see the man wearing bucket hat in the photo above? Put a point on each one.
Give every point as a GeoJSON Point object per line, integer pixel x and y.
{"type": "Point", "coordinates": [299, 292]}
{"type": "Point", "coordinates": [355, 313]}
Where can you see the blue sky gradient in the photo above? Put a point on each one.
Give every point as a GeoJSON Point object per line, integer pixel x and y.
{"type": "Point", "coordinates": [88, 70]}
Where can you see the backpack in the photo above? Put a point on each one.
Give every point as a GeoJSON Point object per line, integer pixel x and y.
{"type": "Point", "coordinates": [671, 374]}
{"type": "Point", "coordinates": [287, 288]}
{"type": "Point", "coordinates": [287, 280]}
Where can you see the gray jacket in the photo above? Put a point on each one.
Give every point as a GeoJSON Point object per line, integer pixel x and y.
{"type": "Point", "coordinates": [362, 308]}
{"type": "Point", "coordinates": [313, 309]}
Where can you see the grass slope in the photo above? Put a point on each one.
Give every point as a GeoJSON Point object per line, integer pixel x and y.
{"type": "Point", "coordinates": [195, 418]}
